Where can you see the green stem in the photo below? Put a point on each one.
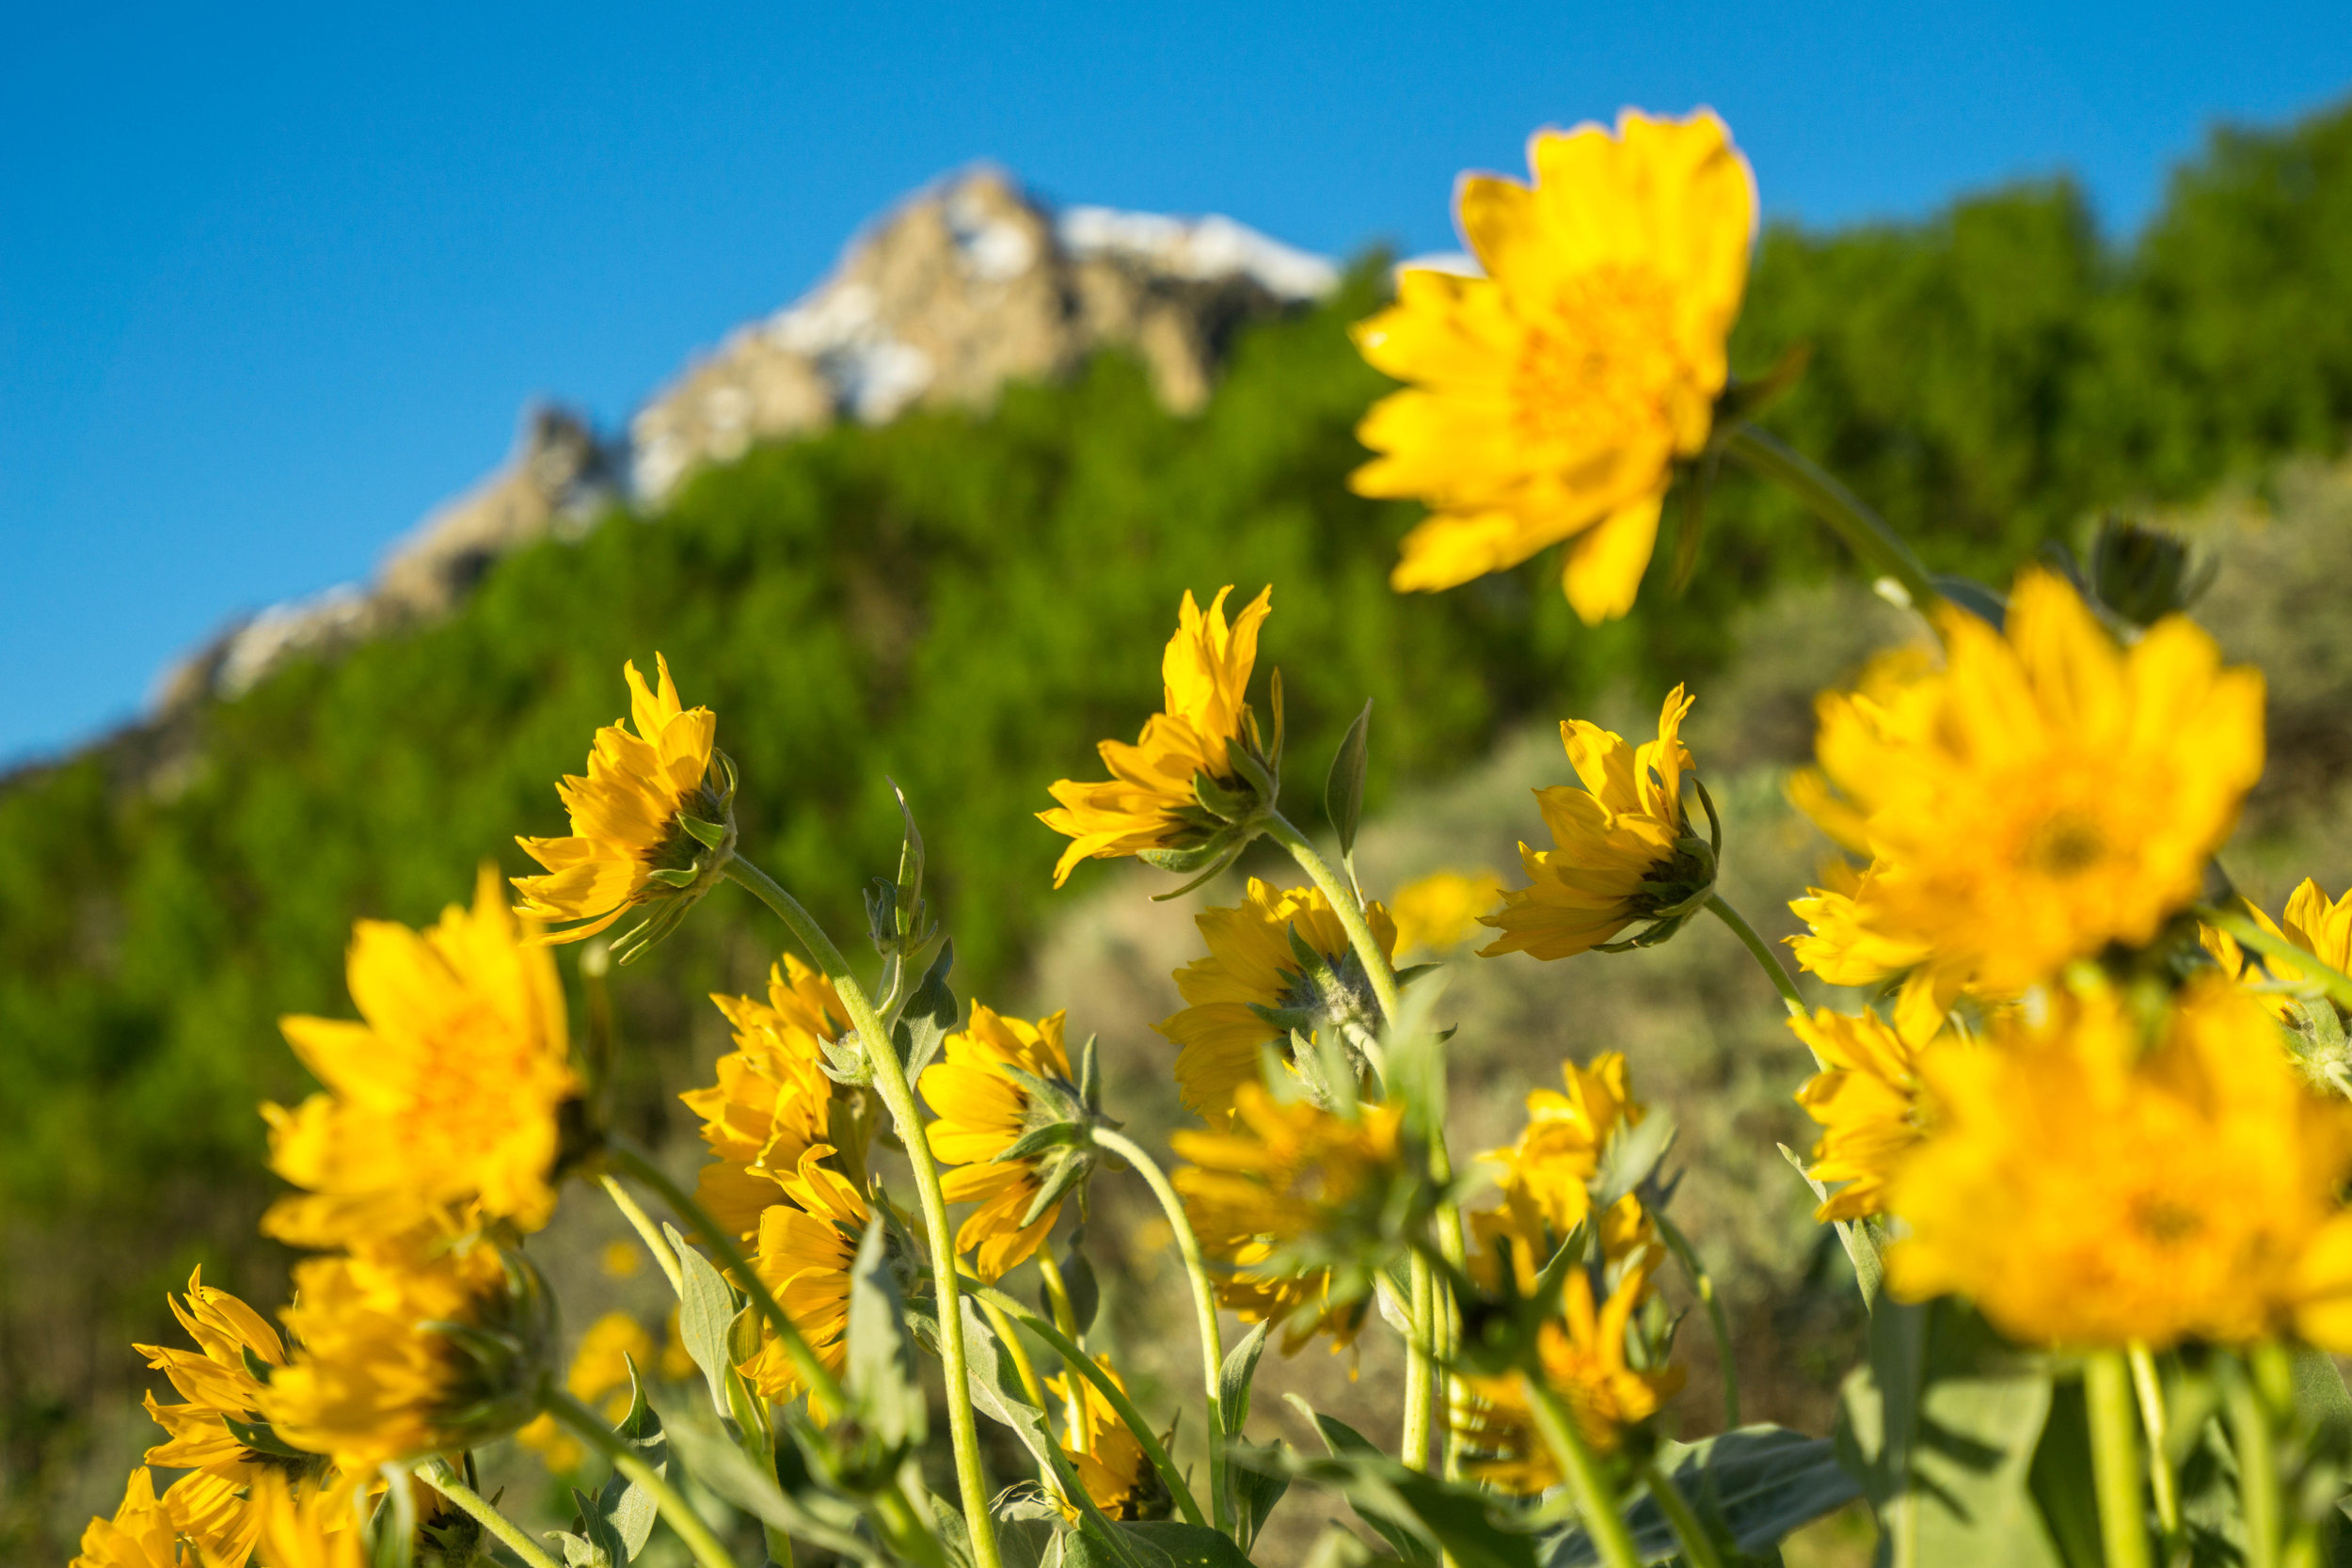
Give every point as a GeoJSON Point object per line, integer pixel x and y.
{"type": "Point", "coordinates": [1611, 1540]}
{"type": "Point", "coordinates": [1075, 1360]}
{"type": "Point", "coordinates": [1413, 1446]}
{"type": "Point", "coordinates": [1698, 1547]}
{"type": "Point", "coordinates": [1782, 980]}
{"type": "Point", "coordinates": [2334, 982]}
{"type": "Point", "coordinates": [687, 1525]}
{"type": "Point", "coordinates": [2115, 1460]}
{"type": "Point", "coordinates": [442, 1476]}
{"type": "Point", "coordinates": [1203, 1309]}
{"type": "Point", "coordinates": [822, 1385]}
{"type": "Point", "coordinates": [890, 1078]}
{"type": "Point", "coordinates": [1865, 533]}
{"type": "Point", "coordinates": [646, 1230]}
{"type": "Point", "coordinates": [1703, 1283]}
{"type": "Point", "coordinates": [1030, 1384]}
{"type": "Point", "coordinates": [2152, 1417]}
{"type": "Point", "coordinates": [1342, 900]}
{"type": "Point", "coordinates": [1065, 1318]}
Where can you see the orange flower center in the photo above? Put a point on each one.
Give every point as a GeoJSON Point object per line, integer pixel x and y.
{"type": "Point", "coordinates": [1596, 372]}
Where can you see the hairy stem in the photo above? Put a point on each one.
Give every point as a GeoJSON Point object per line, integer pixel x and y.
{"type": "Point", "coordinates": [646, 1230]}
{"type": "Point", "coordinates": [1611, 1540]}
{"type": "Point", "coordinates": [1066, 1319]}
{"type": "Point", "coordinates": [1782, 980]}
{"type": "Point", "coordinates": [1864, 532]}
{"type": "Point", "coordinates": [687, 1525]}
{"type": "Point", "coordinates": [1702, 1282]}
{"type": "Point", "coordinates": [1698, 1547]}
{"type": "Point", "coordinates": [1027, 1370]}
{"type": "Point", "coordinates": [1342, 900]}
{"type": "Point", "coordinates": [442, 1476]}
{"type": "Point", "coordinates": [890, 1079]}
{"type": "Point", "coordinates": [2115, 1462]}
{"type": "Point", "coordinates": [2153, 1418]}
{"type": "Point", "coordinates": [1413, 1445]}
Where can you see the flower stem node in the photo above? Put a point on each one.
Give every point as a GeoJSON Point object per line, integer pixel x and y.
{"type": "Point", "coordinates": [1056, 1141]}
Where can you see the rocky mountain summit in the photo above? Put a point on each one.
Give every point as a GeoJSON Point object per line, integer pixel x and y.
{"type": "Point", "coordinates": [964, 286]}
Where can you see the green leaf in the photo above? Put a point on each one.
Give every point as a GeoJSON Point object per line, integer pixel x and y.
{"type": "Point", "coordinates": [1941, 1428]}
{"type": "Point", "coordinates": [878, 1373]}
{"type": "Point", "coordinates": [1750, 1487]}
{"type": "Point", "coordinates": [929, 1016]}
{"type": "Point", "coordinates": [723, 1468]}
{"type": "Point", "coordinates": [2062, 1483]}
{"type": "Point", "coordinates": [1029, 1527]}
{"type": "Point", "coordinates": [1234, 1377]}
{"type": "Point", "coordinates": [621, 1514]}
{"type": "Point", "coordinates": [1344, 791]}
{"type": "Point", "coordinates": [1418, 1514]}
{"type": "Point", "coordinates": [1259, 1480]}
{"type": "Point", "coordinates": [1157, 1543]}
{"type": "Point", "coordinates": [705, 1311]}
{"type": "Point", "coordinates": [1630, 1156]}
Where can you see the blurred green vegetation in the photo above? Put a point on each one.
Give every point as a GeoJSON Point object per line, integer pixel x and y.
{"type": "Point", "coordinates": [965, 603]}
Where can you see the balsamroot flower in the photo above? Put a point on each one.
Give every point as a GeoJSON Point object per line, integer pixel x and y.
{"type": "Point", "coordinates": [306, 1527]}
{"type": "Point", "coordinates": [807, 1244]}
{"type": "Point", "coordinates": [2043, 795]}
{"type": "Point", "coordinates": [1584, 1358]}
{"type": "Point", "coordinates": [1439, 912]}
{"type": "Point", "coordinates": [1006, 1080]}
{"type": "Point", "coordinates": [1303, 1205]}
{"type": "Point", "coordinates": [399, 1356]}
{"type": "Point", "coordinates": [148, 1531]}
{"type": "Point", "coordinates": [652, 823]}
{"type": "Point", "coordinates": [445, 1101]}
{"type": "Point", "coordinates": [1622, 851]}
{"type": "Point", "coordinates": [1546, 1175]}
{"type": "Point", "coordinates": [1185, 795]}
{"type": "Point", "coordinates": [2319, 927]}
{"type": "Point", "coordinates": [1552, 398]}
{"type": "Point", "coordinates": [1257, 985]}
{"type": "Point", "coordinates": [216, 1383]}
{"type": "Point", "coordinates": [1869, 1098]}
{"type": "Point", "coordinates": [599, 1375]}
{"type": "Point", "coordinates": [1110, 1462]}
{"type": "Point", "coordinates": [772, 1102]}
{"type": "Point", "coordinates": [2088, 1186]}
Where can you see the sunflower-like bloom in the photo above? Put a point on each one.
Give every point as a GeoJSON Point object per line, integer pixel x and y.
{"type": "Point", "coordinates": [306, 1525]}
{"type": "Point", "coordinates": [598, 1376]}
{"type": "Point", "coordinates": [772, 1102]}
{"type": "Point", "coordinates": [445, 1100]}
{"type": "Point", "coordinates": [216, 1385]}
{"type": "Point", "coordinates": [1869, 1098]}
{"type": "Point", "coordinates": [807, 1244]}
{"type": "Point", "coordinates": [180, 1529]}
{"type": "Point", "coordinates": [2316, 924]}
{"type": "Point", "coordinates": [1622, 850]}
{"type": "Point", "coordinates": [1439, 912]}
{"type": "Point", "coordinates": [1002, 1078]}
{"type": "Point", "coordinates": [2086, 1188]}
{"type": "Point", "coordinates": [1250, 991]}
{"type": "Point", "coordinates": [1182, 791]}
{"type": "Point", "coordinates": [1553, 397]}
{"type": "Point", "coordinates": [378, 1378]}
{"type": "Point", "coordinates": [1298, 1203]}
{"type": "Point", "coordinates": [1110, 1462]}
{"type": "Point", "coordinates": [2044, 794]}
{"type": "Point", "coordinates": [652, 823]}
{"type": "Point", "coordinates": [1585, 1361]}
{"type": "Point", "coordinates": [1546, 1175]}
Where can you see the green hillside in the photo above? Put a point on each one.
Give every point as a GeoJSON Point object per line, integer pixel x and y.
{"type": "Point", "coordinates": [965, 603]}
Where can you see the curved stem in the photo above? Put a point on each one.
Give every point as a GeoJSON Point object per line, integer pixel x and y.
{"type": "Point", "coordinates": [1027, 1370]}
{"type": "Point", "coordinates": [2153, 1418]}
{"type": "Point", "coordinates": [890, 1079]}
{"type": "Point", "coordinates": [1783, 981]}
{"type": "Point", "coordinates": [1066, 1319]}
{"type": "Point", "coordinates": [1611, 1540]}
{"type": "Point", "coordinates": [1702, 1282]}
{"type": "Point", "coordinates": [1076, 1360]}
{"type": "Point", "coordinates": [2115, 1467]}
{"type": "Point", "coordinates": [1865, 533]}
{"type": "Point", "coordinates": [1413, 1445]}
{"type": "Point", "coordinates": [2334, 982]}
{"type": "Point", "coordinates": [683, 1520]}
{"type": "Point", "coordinates": [1203, 1307]}
{"type": "Point", "coordinates": [1697, 1545]}
{"type": "Point", "coordinates": [1342, 900]}
{"type": "Point", "coordinates": [646, 1230]}
{"type": "Point", "coordinates": [822, 1385]}
{"type": "Point", "coordinates": [442, 1476]}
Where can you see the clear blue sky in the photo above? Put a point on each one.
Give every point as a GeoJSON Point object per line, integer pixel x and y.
{"type": "Point", "coordinates": [272, 285]}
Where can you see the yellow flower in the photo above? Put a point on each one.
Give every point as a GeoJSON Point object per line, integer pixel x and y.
{"type": "Point", "coordinates": [772, 1102]}
{"type": "Point", "coordinates": [2086, 1187]}
{"type": "Point", "coordinates": [632, 840]}
{"type": "Point", "coordinates": [1151, 805]}
{"type": "Point", "coordinates": [1553, 397]}
{"type": "Point", "coordinates": [600, 1374]}
{"type": "Point", "coordinates": [1868, 1099]}
{"type": "Point", "coordinates": [1546, 1175]}
{"type": "Point", "coordinates": [1621, 852]}
{"type": "Point", "coordinates": [373, 1381]}
{"type": "Point", "coordinates": [2044, 794]}
{"type": "Point", "coordinates": [148, 1531]}
{"type": "Point", "coordinates": [445, 1098]}
{"type": "Point", "coordinates": [307, 1527]}
{"type": "Point", "coordinates": [1440, 910]}
{"type": "Point", "coordinates": [2319, 927]}
{"type": "Point", "coordinates": [1288, 1185]}
{"type": "Point", "coordinates": [1250, 967]}
{"type": "Point", "coordinates": [215, 1381]}
{"type": "Point", "coordinates": [1110, 1462]}
{"type": "Point", "coordinates": [983, 1110]}
{"type": "Point", "coordinates": [807, 1244]}
{"type": "Point", "coordinates": [1585, 1361]}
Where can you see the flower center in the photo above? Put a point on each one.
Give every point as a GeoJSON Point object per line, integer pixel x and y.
{"type": "Point", "coordinates": [2066, 845]}
{"type": "Point", "coordinates": [1594, 370]}
{"type": "Point", "coordinates": [2165, 1222]}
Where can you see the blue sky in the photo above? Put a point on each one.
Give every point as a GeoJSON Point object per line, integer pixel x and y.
{"type": "Point", "coordinates": [271, 285]}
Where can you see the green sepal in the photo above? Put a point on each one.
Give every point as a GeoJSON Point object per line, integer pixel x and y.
{"type": "Point", "coordinates": [261, 1438]}
{"type": "Point", "coordinates": [710, 835]}
{"type": "Point", "coordinates": [1056, 1135]}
